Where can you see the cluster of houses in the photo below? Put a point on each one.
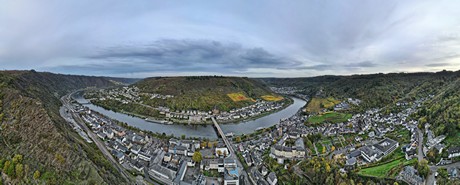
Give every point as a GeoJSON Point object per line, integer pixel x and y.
{"type": "Point", "coordinates": [285, 90]}
{"type": "Point", "coordinates": [377, 125]}
{"type": "Point", "coordinates": [197, 116]}
{"type": "Point", "coordinates": [191, 115]}
{"type": "Point", "coordinates": [166, 161]}
{"type": "Point", "coordinates": [291, 91]}
{"type": "Point", "coordinates": [264, 178]}
{"type": "Point", "coordinates": [170, 162]}
{"type": "Point", "coordinates": [253, 110]}
{"type": "Point", "coordinates": [252, 152]}
{"type": "Point", "coordinates": [142, 153]}
{"type": "Point", "coordinates": [125, 94]}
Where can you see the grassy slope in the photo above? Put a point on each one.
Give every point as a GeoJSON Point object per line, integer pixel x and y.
{"type": "Point", "coordinates": [386, 170]}
{"type": "Point", "coordinates": [331, 117]}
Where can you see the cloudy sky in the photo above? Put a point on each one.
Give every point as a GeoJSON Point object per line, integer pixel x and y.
{"type": "Point", "coordinates": [239, 38]}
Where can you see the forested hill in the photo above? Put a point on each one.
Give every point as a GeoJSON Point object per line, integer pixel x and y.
{"type": "Point", "coordinates": [38, 146]}
{"type": "Point", "coordinates": [380, 90]}
{"type": "Point", "coordinates": [205, 92]}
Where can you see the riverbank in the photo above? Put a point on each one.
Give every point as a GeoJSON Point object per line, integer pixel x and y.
{"type": "Point", "coordinates": [198, 131]}
{"type": "Point", "coordinates": [288, 101]}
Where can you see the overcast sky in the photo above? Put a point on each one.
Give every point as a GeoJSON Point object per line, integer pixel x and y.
{"type": "Point", "coordinates": [239, 38]}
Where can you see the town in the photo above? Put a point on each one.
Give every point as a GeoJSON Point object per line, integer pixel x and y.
{"type": "Point", "coordinates": [363, 141]}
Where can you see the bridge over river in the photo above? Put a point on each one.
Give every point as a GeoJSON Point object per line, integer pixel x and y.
{"type": "Point", "coordinates": [222, 135]}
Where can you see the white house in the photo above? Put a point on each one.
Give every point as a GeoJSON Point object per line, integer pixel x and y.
{"type": "Point", "coordinates": [454, 152]}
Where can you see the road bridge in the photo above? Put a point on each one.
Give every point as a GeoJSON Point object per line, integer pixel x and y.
{"type": "Point", "coordinates": [222, 135]}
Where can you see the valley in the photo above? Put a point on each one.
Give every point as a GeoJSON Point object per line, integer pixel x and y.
{"type": "Point", "coordinates": [326, 134]}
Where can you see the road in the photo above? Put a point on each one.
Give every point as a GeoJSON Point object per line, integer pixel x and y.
{"type": "Point", "coordinates": [222, 135]}
{"type": "Point", "coordinates": [431, 178]}
{"type": "Point", "coordinates": [419, 145]}
{"type": "Point", "coordinates": [66, 102]}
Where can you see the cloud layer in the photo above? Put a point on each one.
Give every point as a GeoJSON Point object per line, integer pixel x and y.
{"type": "Point", "coordinates": [171, 56]}
{"type": "Point", "coordinates": [256, 38]}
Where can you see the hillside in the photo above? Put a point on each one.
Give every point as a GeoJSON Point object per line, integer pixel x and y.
{"type": "Point", "coordinates": [376, 90]}
{"type": "Point", "coordinates": [204, 92]}
{"type": "Point", "coordinates": [31, 130]}
{"type": "Point", "coordinates": [384, 90]}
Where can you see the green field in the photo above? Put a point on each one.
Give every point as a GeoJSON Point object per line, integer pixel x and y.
{"type": "Point", "coordinates": [400, 134]}
{"type": "Point", "coordinates": [387, 169]}
{"type": "Point", "coordinates": [332, 117]}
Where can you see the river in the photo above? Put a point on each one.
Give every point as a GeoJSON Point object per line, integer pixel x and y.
{"type": "Point", "coordinates": [206, 131]}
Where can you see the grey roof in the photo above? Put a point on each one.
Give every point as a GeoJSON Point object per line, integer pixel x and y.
{"type": "Point", "coordinates": [453, 150]}
{"type": "Point", "coordinates": [368, 151]}
{"type": "Point", "coordinates": [215, 161]}
{"type": "Point", "coordinates": [453, 171]}
{"type": "Point", "coordinates": [137, 164]}
{"type": "Point", "coordinates": [411, 152]}
{"type": "Point", "coordinates": [117, 154]}
{"type": "Point", "coordinates": [351, 161]}
{"type": "Point", "coordinates": [271, 176]}
{"type": "Point", "coordinates": [228, 160]}
{"type": "Point", "coordinates": [439, 146]}
{"type": "Point", "coordinates": [385, 144]}
{"type": "Point", "coordinates": [181, 171]}
{"type": "Point", "coordinates": [299, 144]}
{"type": "Point", "coordinates": [264, 168]}
{"type": "Point", "coordinates": [354, 153]}
{"type": "Point", "coordinates": [165, 171]}
{"type": "Point", "coordinates": [283, 148]}
{"type": "Point", "coordinates": [181, 148]}
{"type": "Point", "coordinates": [409, 170]}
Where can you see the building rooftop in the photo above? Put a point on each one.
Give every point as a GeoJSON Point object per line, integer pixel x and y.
{"type": "Point", "coordinates": [351, 161]}
{"type": "Point", "coordinates": [354, 153]}
{"type": "Point", "coordinates": [271, 176]}
{"type": "Point", "coordinates": [385, 144]}
{"type": "Point", "coordinates": [453, 150]}
{"type": "Point", "coordinates": [368, 151]}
